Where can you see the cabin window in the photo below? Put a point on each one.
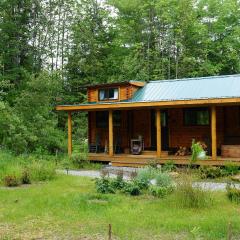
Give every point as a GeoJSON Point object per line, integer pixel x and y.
{"type": "Point", "coordinates": [196, 117]}
{"type": "Point", "coordinates": [108, 94]}
{"type": "Point", "coordinates": [102, 119]}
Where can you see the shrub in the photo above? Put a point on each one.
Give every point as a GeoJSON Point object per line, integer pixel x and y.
{"type": "Point", "coordinates": [233, 193]}
{"type": "Point", "coordinates": [141, 183]}
{"type": "Point", "coordinates": [104, 185]}
{"type": "Point", "coordinates": [145, 175]}
{"type": "Point", "coordinates": [210, 172]}
{"type": "Point", "coordinates": [80, 160]}
{"type": "Point", "coordinates": [230, 169]}
{"type": "Point", "coordinates": [188, 196]}
{"type": "Point", "coordinates": [42, 171]}
{"type": "Point", "coordinates": [153, 164]}
{"type": "Point", "coordinates": [10, 173]}
{"type": "Point", "coordinates": [118, 183]}
{"type": "Point", "coordinates": [132, 188]}
{"type": "Point", "coordinates": [11, 181]}
{"type": "Point", "coordinates": [163, 180]}
{"type": "Point", "coordinates": [160, 191]}
{"type": "Point", "coordinates": [25, 178]}
{"type": "Point", "coordinates": [197, 152]}
{"type": "Point", "coordinates": [169, 166]}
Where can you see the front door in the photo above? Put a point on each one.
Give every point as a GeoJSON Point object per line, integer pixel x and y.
{"type": "Point", "coordinates": [164, 130]}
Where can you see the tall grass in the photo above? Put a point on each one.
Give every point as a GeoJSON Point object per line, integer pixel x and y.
{"type": "Point", "coordinates": [189, 196]}
{"type": "Point", "coordinates": [15, 169]}
{"type": "Point", "coordinates": [41, 171]}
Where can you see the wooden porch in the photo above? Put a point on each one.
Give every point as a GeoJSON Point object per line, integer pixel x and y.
{"type": "Point", "coordinates": [129, 160]}
{"type": "Point", "coordinates": [222, 130]}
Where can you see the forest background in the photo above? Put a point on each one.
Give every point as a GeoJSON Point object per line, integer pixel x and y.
{"type": "Point", "coordinates": [50, 49]}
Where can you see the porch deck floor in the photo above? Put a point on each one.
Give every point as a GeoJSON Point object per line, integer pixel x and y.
{"type": "Point", "coordinates": [145, 159]}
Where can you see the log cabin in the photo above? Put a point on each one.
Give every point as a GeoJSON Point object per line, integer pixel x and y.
{"type": "Point", "coordinates": [132, 123]}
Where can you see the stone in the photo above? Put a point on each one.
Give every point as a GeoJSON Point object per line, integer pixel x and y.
{"type": "Point", "coordinates": [236, 178]}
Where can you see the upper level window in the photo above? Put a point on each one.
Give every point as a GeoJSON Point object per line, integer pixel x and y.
{"type": "Point", "coordinates": [108, 94]}
{"type": "Point", "coordinates": [196, 117]}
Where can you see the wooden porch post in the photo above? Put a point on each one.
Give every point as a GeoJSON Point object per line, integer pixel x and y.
{"type": "Point", "coordinates": [159, 140]}
{"type": "Point", "coordinates": [110, 124]}
{"type": "Point", "coordinates": [69, 134]}
{"type": "Point", "coordinates": [214, 132]}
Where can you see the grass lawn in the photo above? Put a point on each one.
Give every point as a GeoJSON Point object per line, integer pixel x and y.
{"type": "Point", "coordinates": [70, 208]}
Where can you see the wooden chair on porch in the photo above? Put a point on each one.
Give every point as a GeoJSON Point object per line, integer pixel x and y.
{"type": "Point", "coordinates": [95, 147]}
{"type": "Point", "coordinates": [117, 146]}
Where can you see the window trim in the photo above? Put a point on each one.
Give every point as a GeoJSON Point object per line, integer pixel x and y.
{"type": "Point", "coordinates": [108, 99]}
{"type": "Point", "coordinates": [196, 109]}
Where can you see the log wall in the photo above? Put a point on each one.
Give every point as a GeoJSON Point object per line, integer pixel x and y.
{"type": "Point", "coordinates": [138, 122]}
{"type": "Point", "coordinates": [126, 91]}
{"type": "Point", "coordinates": [180, 135]}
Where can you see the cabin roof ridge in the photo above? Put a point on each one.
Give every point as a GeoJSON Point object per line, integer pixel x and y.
{"type": "Point", "coordinates": [194, 78]}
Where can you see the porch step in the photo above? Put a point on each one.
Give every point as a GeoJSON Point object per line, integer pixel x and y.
{"type": "Point", "coordinates": [153, 153]}
{"type": "Point", "coordinates": [147, 152]}
{"type": "Point", "coordinates": [164, 154]}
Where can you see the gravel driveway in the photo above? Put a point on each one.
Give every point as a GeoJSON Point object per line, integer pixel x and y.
{"type": "Point", "coordinates": [213, 186]}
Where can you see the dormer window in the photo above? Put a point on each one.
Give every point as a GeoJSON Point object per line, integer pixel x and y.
{"type": "Point", "coordinates": [108, 94]}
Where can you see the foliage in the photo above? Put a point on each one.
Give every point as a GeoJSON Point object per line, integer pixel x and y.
{"type": "Point", "coordinates": [80, 161]}
{"type": "Point", "coordinates": [153, 163]}
{"type": "Point", "coordinates": [169, 166]}
{"type": "Point", "coordinates": [233, 193]}
{"type": "Point", "coordinates": [132, 188]}
{"type": "Point", "coordinates": [118, 183]}
{"type": "Point", "coordinates": [67, 199]}
{"type": "Point", "coordinates": [164, 185]}
{"type": "Point", "coordinates": [189, 196]}
{"type": "Point", "coordinates": [215, 172]}
{"type": "Point", "coordinates": [49, 49]}
{"type": "Point", "coordinates": [145, 175]}
{"type": "Point", "coordinates": [26, 169]}
{"type": "Point", "coordinates": [11, 181]}
{"type": "Point", "coordinates": [42, 171]}
{"type": "Point", "coordinates": [25, 178]}
{"type": "Point", "coordinates": [103, 185]}
{"type": "Point", "coordinates": [158, 191]}
{"type": "Point", "coordinates": [210, 172]}
{"type": "Point", "coordinates": [197, 152]}
{"type": "Point", "coordinates": [163, 180]}
{"type": "Point", "coordinates": [141, 183]}
{"type": "Point", "coordinates": [230, 169]}
{"type": "Point", "coordinates": [30, 125]}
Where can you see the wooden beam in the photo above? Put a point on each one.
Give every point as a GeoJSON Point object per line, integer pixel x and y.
{"type": "Point", "coordinates": [110, 125]}
{"type": "Point", "coordinates": [131, 105]}
{"type": "Point", "coordinates": [137, 83]}
{"type": "Point", "coordinates": [214, 132]}
{"type": "Point", "coordinates": [159, 136]}
{"type": "Point", "coordinates": [69, 134]}
{"type": "Point", "coordinates": [140, 160]}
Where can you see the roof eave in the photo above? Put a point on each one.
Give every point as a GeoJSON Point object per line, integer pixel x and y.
{"type": "Point", "coordinates": [157, 104]}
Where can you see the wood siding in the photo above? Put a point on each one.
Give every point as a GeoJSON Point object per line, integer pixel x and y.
{"type": "Point", "coordinates": [125, 92]}
{"type": "Point", "coordinates": [138, 122]}
{"type": "Point", "coordinates": [132, 125]}
{"type": "Point", "coordinates": [181, 135]}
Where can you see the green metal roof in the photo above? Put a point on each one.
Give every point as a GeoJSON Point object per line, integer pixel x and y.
{"type": "Point", "coordinates": [189, 89]}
